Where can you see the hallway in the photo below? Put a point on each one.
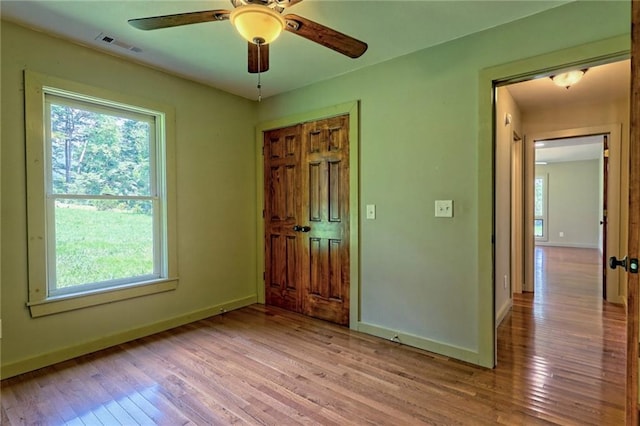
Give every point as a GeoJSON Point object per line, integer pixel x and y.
{"type": "Point", "coordinates": [563, 346]}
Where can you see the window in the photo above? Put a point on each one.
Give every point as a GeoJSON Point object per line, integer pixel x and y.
{"type": "Point", "coordinates": [538, 228]}
{"type": "Point", "coordinates": [98, 199]}
{"type": "Point", "coordinates": [540, 207]}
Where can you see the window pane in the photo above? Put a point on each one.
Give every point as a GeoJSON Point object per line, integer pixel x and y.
{"type": "Point", "coordinates": [101, 240]}
{"type": "Point", "coordinates": [538, 227]}
{"type": "Point", "coordinates": [94, 153]}
{"type": "Point", "coordinates": [539, 197]}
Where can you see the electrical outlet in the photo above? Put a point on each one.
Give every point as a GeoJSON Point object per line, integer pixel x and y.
{"type": "Point", "coordinates": [444, 208]}
{"type": "Point", "coordinates": [561, 234]}
{"type": "Point", "coordinates": [371, 211]}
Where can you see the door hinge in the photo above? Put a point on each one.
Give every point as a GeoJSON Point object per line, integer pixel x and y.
{"type": "Point", "coordinates": [604, 213]}
{"type": "Point", "coordinates": [263, 150]}
{"type": "Point", "coordinates": [263, 213]}
{"type": "Point", "coordinates": [606, 153]}
{"type": "Point", "coordinates": [264, 276]}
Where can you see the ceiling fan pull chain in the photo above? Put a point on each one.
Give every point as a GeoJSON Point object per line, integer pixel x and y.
{"type": "Point", "coordinates": [259, 43]}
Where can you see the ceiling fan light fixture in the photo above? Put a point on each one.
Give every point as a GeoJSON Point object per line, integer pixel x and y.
{"type": "Point", "coordinates": [257, 23]}
{"type": "Point", "coordinates": [568, 79]}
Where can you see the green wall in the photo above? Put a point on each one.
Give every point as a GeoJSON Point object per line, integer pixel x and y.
{"type": "Point", "coordinates": [429, 279]}
{"type": "Point", "coordinates": [215, 177]}
{"type": "Point", "coordinates": [426, 279]}
{"type": "Point", "coordinates": [573, 203]}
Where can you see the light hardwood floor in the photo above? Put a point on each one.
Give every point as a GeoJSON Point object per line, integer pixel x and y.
{"type": "Point", "coordinates": [561, 360]}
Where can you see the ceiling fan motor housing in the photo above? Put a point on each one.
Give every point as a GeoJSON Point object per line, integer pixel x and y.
{"type": "Point", "coordinates": [277, 5]}
{"type": "Point", "coordinates": [257, 24]}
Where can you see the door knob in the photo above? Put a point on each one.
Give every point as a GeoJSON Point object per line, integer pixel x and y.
{"type": "Point", "coordinates": [614, 263]}
{"type": "Point", "coordinates": [297, 228]}
{"type": "Point", "coordinates": [305, 228]}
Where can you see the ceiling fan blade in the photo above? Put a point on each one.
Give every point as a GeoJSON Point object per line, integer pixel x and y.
{"type": "Point", "coordinates": [253, 58]}
{"type": "Point", "coordinates": [166, 21]}
{"type": "Point", "coordinates": [325, 36]}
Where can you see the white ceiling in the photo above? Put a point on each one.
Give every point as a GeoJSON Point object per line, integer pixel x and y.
{"type": "Point", "coordinates": [214, 54]}
{"type": "Point", "coordinates": [570, 149]}
{"type": "Point", "coordinates": [604, 83]}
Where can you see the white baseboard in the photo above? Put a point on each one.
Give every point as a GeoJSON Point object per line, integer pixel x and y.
{"type": "Point", "coordinates": [421, 343]}
{"type": "Point", "coordinates": [560, 244]}
{"type": "Point", "coordinates": [50, 358]}
{"type": "Point", "coordinates": [503, 311]}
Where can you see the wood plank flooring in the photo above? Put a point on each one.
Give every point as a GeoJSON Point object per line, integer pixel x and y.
{"type": "Point", "coordinates": [561, 361]}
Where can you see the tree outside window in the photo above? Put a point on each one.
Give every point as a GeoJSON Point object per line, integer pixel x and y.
{"type": "Point", "coordinates": [101, 199]}
{"type": "Point", "coordinates": [540, 207]}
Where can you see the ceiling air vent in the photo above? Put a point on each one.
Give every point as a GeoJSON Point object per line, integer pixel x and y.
{"type": "Point", "coordinates": [111, 40]}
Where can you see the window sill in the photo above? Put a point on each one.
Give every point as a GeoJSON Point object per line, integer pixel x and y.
{"type": "Point", "coordinates": [78, 301]}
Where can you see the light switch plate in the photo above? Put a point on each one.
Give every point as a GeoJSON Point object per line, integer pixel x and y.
{"type": "Point", "coordinates": [371, 211]}
{"type": "Point", "coordinates": [444, 208]}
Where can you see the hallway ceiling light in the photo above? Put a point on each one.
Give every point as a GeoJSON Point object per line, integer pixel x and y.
{"type": "Point", "coordinates": [568, 79]}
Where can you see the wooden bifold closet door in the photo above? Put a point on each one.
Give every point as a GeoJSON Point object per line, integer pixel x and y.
{"type": "Point", "coordinates": [306, 215]}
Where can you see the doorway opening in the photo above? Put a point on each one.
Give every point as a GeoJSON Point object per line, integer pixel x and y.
{"type": "Point", "coordinates": [548, 215]}
{"type": "Point", "coordinates": [570, 204]}
{"type": "Point", "coordinates": [572, 124]}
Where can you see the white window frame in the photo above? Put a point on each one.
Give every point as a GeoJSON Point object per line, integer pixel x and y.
{"type": "Point", "coordinates": [545, 207]}
{"type": "Point", "coordinates": [44, 300]}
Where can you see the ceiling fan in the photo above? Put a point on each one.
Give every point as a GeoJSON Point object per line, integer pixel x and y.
{"type": "Point", "coordinates": [260, 22]}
